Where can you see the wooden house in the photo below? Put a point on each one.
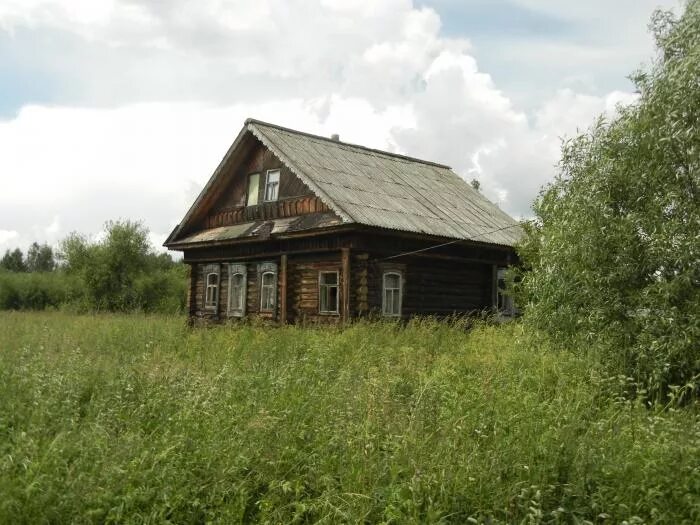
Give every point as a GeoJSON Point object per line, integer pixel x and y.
{"type": "Point", "coordinates": [294, 227]}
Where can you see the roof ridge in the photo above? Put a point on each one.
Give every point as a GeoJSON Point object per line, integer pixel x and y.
{"type": "Point", "coordinates": [350, 144]}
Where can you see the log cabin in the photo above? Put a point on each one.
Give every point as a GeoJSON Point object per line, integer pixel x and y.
{"type": "Point", "coordinates": [294, 227]}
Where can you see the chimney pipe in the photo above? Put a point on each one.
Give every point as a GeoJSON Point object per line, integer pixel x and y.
{"type": "Point", "coordinates": [335, 137]}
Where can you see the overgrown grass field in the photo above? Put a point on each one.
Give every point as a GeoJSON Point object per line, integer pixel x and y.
{"type": "Point", "coordinates": [118, 418]}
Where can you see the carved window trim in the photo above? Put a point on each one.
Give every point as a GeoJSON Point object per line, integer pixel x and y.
{"type": "Point", "coordinates": [235, 269]}
{"type": "Point", "coordinates": [264, 269]}
{"type": "Point", "coordinates": [211, 287]}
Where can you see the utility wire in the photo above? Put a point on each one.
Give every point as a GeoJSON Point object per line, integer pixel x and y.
{"type": "Point", "coordinates": [450, 242]}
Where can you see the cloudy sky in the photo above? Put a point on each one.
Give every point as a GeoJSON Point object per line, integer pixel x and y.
{"type": "Point", "coordinates": [122, 108]}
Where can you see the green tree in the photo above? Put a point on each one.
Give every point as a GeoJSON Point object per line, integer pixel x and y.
{"type": "Point", "coordinates": [13, 261]}
{"type": "Point", "coordinates": [614, 251]}
{"type": "Point", "coordinates": [40, 258]}
{"type": "Point", "coordinates": [122, 272]}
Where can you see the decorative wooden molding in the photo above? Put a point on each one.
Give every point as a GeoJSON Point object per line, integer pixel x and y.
{"type": "Point", "coordinates": [345, 282]}
{"type": "Point", "coordinates": [283, 289]}
{"type": "Point", "coordinates": [266, 211]}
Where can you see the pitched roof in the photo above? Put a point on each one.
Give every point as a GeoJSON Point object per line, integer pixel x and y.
{"type": "Point", "coordinates": [382, 189]}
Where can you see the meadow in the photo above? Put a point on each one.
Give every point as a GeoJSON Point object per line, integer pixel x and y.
{"type": "Point", "coordinates": [140, 419]}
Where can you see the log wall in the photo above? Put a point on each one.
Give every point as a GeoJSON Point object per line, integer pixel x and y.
{"type": "Point", "coordinates": [436, 287]}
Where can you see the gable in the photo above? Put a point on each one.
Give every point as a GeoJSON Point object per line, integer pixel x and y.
{"type": "Point", "coordinates": [223, 201]}
{"type": "Point", "coordinates": [345, 182]}
{"type": "Point", "coordinates": [259, 161]}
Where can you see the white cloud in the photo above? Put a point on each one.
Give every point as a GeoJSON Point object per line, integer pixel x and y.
{"type": "Point", "coordinates": [8, 235]}
{"type": "Point", "coordinates": [170, 85]}
{"type": "Point", "coordinates": [143, 162]}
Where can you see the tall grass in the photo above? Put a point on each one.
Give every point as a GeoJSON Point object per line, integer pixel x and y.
{"type": "Point", "coordinates": [139, 419]}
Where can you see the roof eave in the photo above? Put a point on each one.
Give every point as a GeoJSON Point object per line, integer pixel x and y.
{"type": "Point", "coordinates": [212, 180]}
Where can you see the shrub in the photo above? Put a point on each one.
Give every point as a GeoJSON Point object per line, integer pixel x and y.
{"type": "Point", "coordinates": [613, 253]}
{"type": "Point", "coordinates": [37, 291]}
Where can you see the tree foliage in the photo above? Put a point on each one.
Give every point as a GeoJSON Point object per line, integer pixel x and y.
{"type": "Point", "coordinates": [121, 272]}
{"type": "Point", "coordinates": [40, 258]}
{"type": "Point", "coordinates": [614, 251]}
{"type": "Point", "coordinates": [13, 261]}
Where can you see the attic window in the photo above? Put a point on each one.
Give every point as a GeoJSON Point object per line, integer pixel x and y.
{"type": "Point", "coordinates": [272, 185]}
{"type": "Point", "coordinates": [253, 189]}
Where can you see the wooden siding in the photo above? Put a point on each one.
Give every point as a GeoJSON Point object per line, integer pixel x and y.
{"type": "Point", "coordinates": [289, 207]}
{"type": "Point", "coordinates": [436, 287]}
{"type": "Point", "coordinates": [303, 287]}
{"type": "Point", "coordinates": [442, 288]}
{"type": "Point", "coordinates": [294, 197]}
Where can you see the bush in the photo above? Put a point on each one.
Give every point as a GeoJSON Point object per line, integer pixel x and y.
{"type": "Point", "coordinates": [163, 291]}
{"type": "Point", "coordinates": [37, 291]}
{"type": "Point", "coordinates": [613, 253]}
{"type": "Point", "coordinates": [123, 273]}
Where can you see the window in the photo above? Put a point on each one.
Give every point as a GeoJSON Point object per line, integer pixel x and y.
{"type": "Point", "coordinates": [267, 292]}
{"type": "Point", "coordinates": [504, 302]}
{"type": "Point", "coordinates": [328, 292]}
{"type": "Point", "coordinates": [237, 290]}
{"type": "Point", "coordinates": [211, 297]}
{"type": "Point", "coordinates": [272, 185]}
{"type": "Point", "coordinates": [267, 283]}
{"type": "Point", "coordinates": [391, 294]}
{"type": "Point", "coordinates": [253, 189]}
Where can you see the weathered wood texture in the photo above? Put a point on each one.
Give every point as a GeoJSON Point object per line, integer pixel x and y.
{"type": "Point", "coordinates": [436, 287]}
{"type": "Point", "coordinates": [444, 288]}
{"type": "Point", "coordinates": [294, 197]}
{"type": "Point", "coordinates": [279, 209]}
{"type": "Point", "coordinates": [271, 249]}
{"type": "Point", "coordinates": [283, 289]}
{"type": "Point", "coordinates": [303, 286]}
{"type": "Point", "coordinates": [198, 308]}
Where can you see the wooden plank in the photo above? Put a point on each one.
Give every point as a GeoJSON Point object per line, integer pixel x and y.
{"type": "Point", "coordinates": [345, 282]}
{"type": "Point", "coordinates": [192, 291]}
{"type": "Point", "coordinates": [283, 289]}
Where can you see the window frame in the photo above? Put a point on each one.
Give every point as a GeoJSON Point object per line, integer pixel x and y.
{"type": "Point", "coordinates": [214, 303]}
{"type": "Point", "coordinates": [399, 274]}
{"type": "Point", "coordinates": [321, 286]}
{"type": "Point", "coordinates": [264, 269]}
{"type": "Point", "coordinates": [503, 302]}
{"type": "Point", "coordinates": [248, 193]}
{"type": "Point", "coordinates": [237, 269]}
{"type": "Point", "coordinates": [277, 184]}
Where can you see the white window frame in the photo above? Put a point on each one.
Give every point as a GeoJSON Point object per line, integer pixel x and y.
{"type": "Point", "coordinates": [237, 269]}
{"type": "Point", "coordinates": [214, 302]}
{"type": "Point", "coordinates": [264, 269]}
{"type": "Point", "coordinates": [277, 185]}
{"type": "Point", "coordinates": [384, 290]}
{"type": "Point", "coordinates": [321, 287]}
{"type": "Point", "coordinates": [257, 190]}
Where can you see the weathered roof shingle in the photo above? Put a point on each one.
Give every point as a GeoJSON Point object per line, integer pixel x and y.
{"type": "Point", "coordinates": [386, 190]}
{"type": "Point", "coordinates": [368, 187]}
